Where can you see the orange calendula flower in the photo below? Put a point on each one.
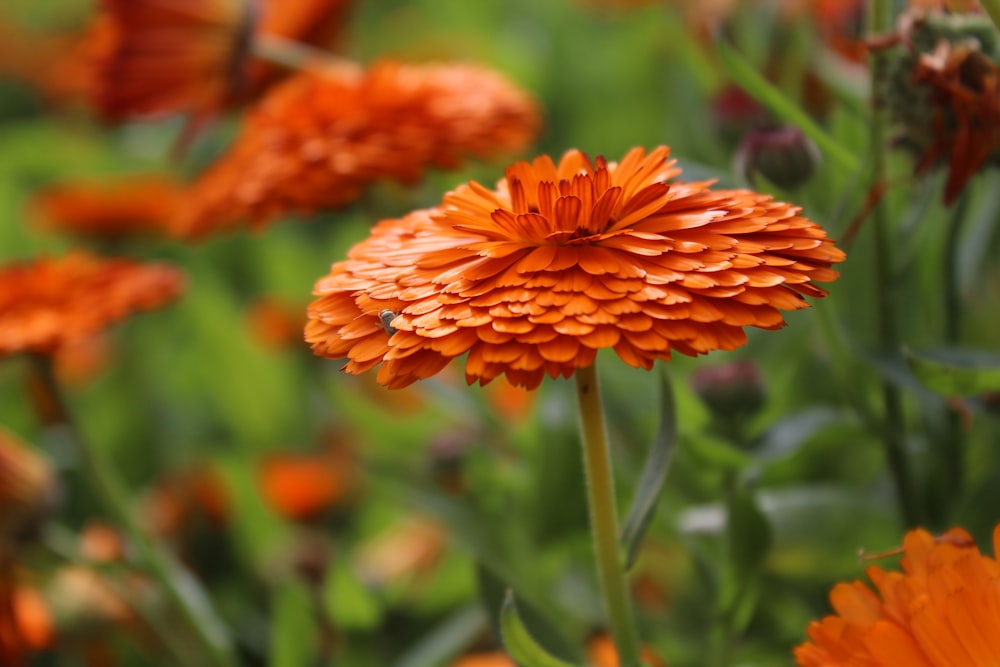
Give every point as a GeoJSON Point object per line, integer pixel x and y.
{"type": "Point", "coordinates": [318, 140]}
{"type": "Point", "coordinates": [561, 260]}
{"type": "Point", "coordinates": [301, 486]}
{"type": "Point", "coordinates": [133, 206]}
{"type": "Point", "coordinates": [51, 302]}
{"type": "Point", "coordinates": [943, 609]}
{"type": "Point", "coordinates": [194, 56]}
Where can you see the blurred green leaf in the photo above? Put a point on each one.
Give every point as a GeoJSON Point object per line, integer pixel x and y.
{"type": "Point", "coordinates": [518, 641]}
{"type": "Point", "coordinates": [446, 640]}
{"type": "Point", "coordinates": [293, 633]}
{"type": "Point", "coordinates": [748, 537]}
{"type": "Point", "coordinates": [654, 473]}
{"type": "Point", "coordinates": [715, 452]}
{"type": "Point", "coordinates": [975, 376]}
{"type": "Point", "coordinates": [350, 605]}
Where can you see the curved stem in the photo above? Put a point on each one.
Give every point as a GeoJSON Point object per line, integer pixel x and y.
{"type": "Point", "coordinates": [182, 590]}
{"type": "Point", "coordinates": [295, 55]}
{"type": "Point", "coordinates": [604, 517]}
{"type": "Point", "coordinates": [894, 433]}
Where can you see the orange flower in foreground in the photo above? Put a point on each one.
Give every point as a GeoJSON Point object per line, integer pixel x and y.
{"type": "Point", "coordinates": [157, 57]}
{"type": "Point", "coordinates": [318, 140]}
{"type": "Point", "coordinates": [133, 206]}
{"type": "Point", "coordinates": [51, 302]}
{"type": "Point", "coordinates": [561, 260]}
{"type": "Point", "coordinates": [942, 610]}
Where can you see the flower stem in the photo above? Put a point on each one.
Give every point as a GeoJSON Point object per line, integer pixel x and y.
{"type": "Point", "coordinates": [181, 589]}
{"type": "Point", "coordinates": [894, 433]}
{"type": "Point", "coordinates": [295, 55]}
{"type": "Point", "coordinates": [604, 516]}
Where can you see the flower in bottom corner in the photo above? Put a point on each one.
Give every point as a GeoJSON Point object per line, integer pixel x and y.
{"type": "Point", "coordinates": [943, 609]}
{"type": "Point", "coordinates": [563, 259]}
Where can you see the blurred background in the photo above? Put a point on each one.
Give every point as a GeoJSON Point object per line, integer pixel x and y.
{"type": "Point", "coordinates": [332, 521]}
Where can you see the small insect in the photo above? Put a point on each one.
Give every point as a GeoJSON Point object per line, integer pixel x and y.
{"type": "Point", "coordinates": [387, 316]}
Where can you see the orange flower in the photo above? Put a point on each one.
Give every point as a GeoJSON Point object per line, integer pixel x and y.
{"type": "Point", "coordinates": [51, 302]}
{"type": "Point", "coordinates": [406, 551]}
{"type": "Point", "coordinates": [943, 609]}
{"type": "Point", "coordinates": [601, 652]}
{"type": "Point", "coordinates": [194, 55]}
{"type": "Point", "coordinates": [318, 140]}
{"type": "Point", "coordinates": [139, 205]}
{"type": "Point", "coordinates": [487, 659]}
{"type": "Point", "coordinates": [561, 260]}
{"type": "Point", "coordinates": [275, 323]}
{"type": "Point", "coordinates": [301, 486]}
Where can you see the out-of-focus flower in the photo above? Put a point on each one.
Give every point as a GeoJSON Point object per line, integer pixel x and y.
{"type": "Point", "coordinates": [275, 323]}
{"type": "Point", "coordinates": [26, 624]}
{"type": "Point", "coordinates": [943, 609]}
{"type": "Point", "coordinates": [303, 485]}
{"type": "Point", "coordinates": [782, 155]}
{"type": "Point", "coordinates": [178, 501]}
{"type": "Point", "coordinates": [485, 659]}
{"type": "Point", "coordinates": [28, 489]}
{"type": "Point", "coordinates": [601, 652]}
{"type": "Point", "coordinates": [80, 361]}
{"type": "Point", "coordinates": [195, 56]}
{"type": "Point", "coordinates": [943, 91]}
{"type": "Point", "coordinates": [51, 302]}
{"type": "Point", "coordinates": [561, 260]}
{"type": "Point", "coordinates": [404, 551]}
{"type": "Point", "coordinates": [319, 139]}
{"type": "Point", "coordinates": [133, 206]}
{"type": "Point", "coordinates": [101, 542]}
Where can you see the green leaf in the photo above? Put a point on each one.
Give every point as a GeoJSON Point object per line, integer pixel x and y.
{"type": "Point", "coordinates": [518, 641]}
{"type": "Point", "coordinates": [347, 601]}
{"type": "Point", "coordinates": [969, 377]}
{"type": "Point", "coordinates": [293, 636]}
{"type": "Point", "coordinates": [778, 103]}
{"type": "Point", "coordinates": [654, 473]}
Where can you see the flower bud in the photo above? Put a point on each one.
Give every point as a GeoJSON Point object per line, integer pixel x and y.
{"type": "Point", "coordinates": [782, 155]}
{"type": "Point", "coordinates": [733, 392]}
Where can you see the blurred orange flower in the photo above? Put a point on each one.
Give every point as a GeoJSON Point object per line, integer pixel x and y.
{"type": "Point", "coordinates": [194, 56]}
{"type": "Point", "coordinates": [943, 609]}
{"type": "Point", "coordinates": [532, 278]}
{"type": "Point", "coordinates": [275, 323]}
{"type": "Point", "coordinates": [51, 302]}
{"type": "Point", "coordinates": [487, 659]}
{"type": "Point", "coordinates": [404, 551]}
{"type": "Point", "coordinates": [318, 140]}
{"type": "Point", "coordinates": [303, 485]}
{"type": "Point", "coordinates": [131, 206]}
{"type": "Point", "coordinates": [601, 652]}
{"type": "Point", "coordinates": [179, 500]}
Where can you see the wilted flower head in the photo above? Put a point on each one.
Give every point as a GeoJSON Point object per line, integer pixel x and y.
{"type": "Point", "coordinates": [943, 609]}
{"type": "Point", "coordinates": [133, 206]}
{"type": "Point", "coordinates": [27, 489]}
{"type": "Point", "coordinates": [194, 56]}
{"type": "Point", "coordinates": [318, 140]}
{"type": "Point", "coordinates": [943, 90]}
{"type": "Point", "coordinates": [50, 302]}
{"type": "Point", "coordinates": [561, 260]}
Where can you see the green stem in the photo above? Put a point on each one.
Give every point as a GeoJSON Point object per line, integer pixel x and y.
{"type": "Point", "coordinates": [894, 432]}
{"type": "Point", "coordinates": [604, 516]}
{"type": "Point", "coordinates": [295, 55]}
{"type": "Point", "coordinates": [950, 268]}
{"type": "Point", "coordinates": [992, 8]}
{"type": "Point", "coordinates": [181, 589]}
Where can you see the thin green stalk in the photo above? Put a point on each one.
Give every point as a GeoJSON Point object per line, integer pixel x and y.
{"type": "Point", "coordinates": [894, 432]}
{"type": "Point", "coordinates": [992, 8]}
{"type": "Point", "coordinates": [604, 517]}
{"type": "Point", "coordinates": [295, 55]}
{"type": "Point", "coordinates": [181, 590]}
{"type": "Point", "coordinates": [950, 268]}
